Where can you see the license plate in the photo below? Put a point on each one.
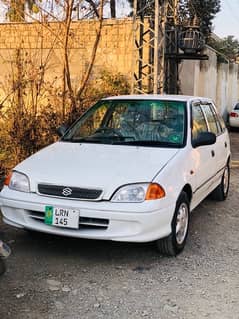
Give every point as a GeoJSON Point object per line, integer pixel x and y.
{"type": "Point", "coordinates": [62, 217]}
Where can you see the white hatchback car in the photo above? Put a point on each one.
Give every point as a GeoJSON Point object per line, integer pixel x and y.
{"type": "Point", "coordinates": [234, 116]}
{"type": "Point", "coordinates": [132, 168]}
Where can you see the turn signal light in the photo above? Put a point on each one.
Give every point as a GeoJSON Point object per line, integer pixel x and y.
{"type": "Point", "coordinates": [7, 179]}
{"type": "Point", "coordinates": [155, 191]}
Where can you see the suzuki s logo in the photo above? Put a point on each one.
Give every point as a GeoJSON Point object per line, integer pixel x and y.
{"type": "Point", "coordinates": [67, 191]}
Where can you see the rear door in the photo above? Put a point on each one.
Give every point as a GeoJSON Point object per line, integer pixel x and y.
{"type": "Point", "coordinates": [203, 156]}
{"type": "Point", "coordinates": [221, 148]}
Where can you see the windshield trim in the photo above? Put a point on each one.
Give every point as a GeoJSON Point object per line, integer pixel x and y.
{"type": "Point", "coordinates": [139, 144]}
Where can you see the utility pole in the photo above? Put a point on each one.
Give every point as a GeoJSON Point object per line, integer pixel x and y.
{"type": "Point", "coordinates": [160, 44]}
{"type": "Point", "coordinates": [171, 48]}
{"type": "Point", "coordinates": [154, 29]}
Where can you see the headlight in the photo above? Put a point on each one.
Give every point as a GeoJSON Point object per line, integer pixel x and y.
{"type": "Point", "coordinates": [18, 182]}
{"type": "Point", "coordinates": [136, 193]}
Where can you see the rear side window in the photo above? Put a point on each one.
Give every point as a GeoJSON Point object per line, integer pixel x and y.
{"type": "Point", "coordinates": [220, 124]}
{"type": "Point", "coordinates": [213, 123]}
{"type": "Point", "coordinates": [199, 123]}
{"type": "Point", "coordinates": [220, 121]}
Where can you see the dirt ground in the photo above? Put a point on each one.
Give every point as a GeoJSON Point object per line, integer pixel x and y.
{"type": "Point", "coordinates": [54, 277]}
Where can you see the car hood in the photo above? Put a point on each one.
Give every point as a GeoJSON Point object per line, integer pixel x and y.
{"type": "Point", "coordinates": [94, 165]}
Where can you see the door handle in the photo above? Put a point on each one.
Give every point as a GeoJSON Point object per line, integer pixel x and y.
{"type": "Point", "coordinates": [225, 144]}
{"type": "Point", "coordinates": [213, 153]}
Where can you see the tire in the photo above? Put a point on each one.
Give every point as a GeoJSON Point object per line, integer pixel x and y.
{"type": "Point", "coordinates": [175, 242]}
{"type": "Point", "coordinates": [2, 266]}
{"type": "Point", "coordinates": [220, 193]}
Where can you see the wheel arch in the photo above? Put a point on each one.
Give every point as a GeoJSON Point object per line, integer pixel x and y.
{"type": "Point", "coordinates": [229, 160]}
{"type": "Point", "coordinates": [188, 190]}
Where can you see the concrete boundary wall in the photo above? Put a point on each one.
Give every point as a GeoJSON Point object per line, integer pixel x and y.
{"type": "Point", "coordinates": [213, 79]}
{"type": "Point", "coordinates": [44, 43]}
{"type": "Point", "coordinates": [115, 54]}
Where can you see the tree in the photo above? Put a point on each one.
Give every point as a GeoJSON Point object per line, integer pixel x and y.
{"type": "Point", "coordinates": [62, 13]}
{"type": "Point", "coordinates": [16, 11]}
{"type": "Point", "coordinates": [229, 47]}
{"type": "Point", "coordinates": [141, 4]}
{"type": "Point", "coordinates": [188, 10]}
{"type": "Point", "coordinates": [32, 102]}
{"type": "Point", "coordinates": [203, 11]}
{"type": "Point", "coordinates": [52, 10]}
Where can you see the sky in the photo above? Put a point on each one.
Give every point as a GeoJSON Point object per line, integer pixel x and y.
{"type": "Point", "coordinates": [227, 20]}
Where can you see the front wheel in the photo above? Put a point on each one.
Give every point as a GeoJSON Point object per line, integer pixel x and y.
{"type": "Point", "coordinates": [221, 192]}
{"type": "Point", "coordinates": [175, 242]}
{"type": "Point", "coordinates": [2, 266]}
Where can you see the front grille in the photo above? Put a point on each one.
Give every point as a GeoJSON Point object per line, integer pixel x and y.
{"type": "Point", "coordinates": [69, 192]}
{"type": "Point", "coordinates": [84, 222]}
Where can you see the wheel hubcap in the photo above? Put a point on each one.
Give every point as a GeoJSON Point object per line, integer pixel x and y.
{"type": "Point", "coordinates": [182, 223]}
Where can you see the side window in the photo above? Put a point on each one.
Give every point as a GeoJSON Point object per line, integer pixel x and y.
{"type": "Point", "coordinates": [198, 121]}
{"type": "Point", "coordinates": [222, 123]}
{"type": "Point", "coordinates": [213, 124]}
{"type": "Point", "coordinates": [219, 120]}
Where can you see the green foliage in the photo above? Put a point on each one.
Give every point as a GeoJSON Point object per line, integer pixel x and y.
{"type": "Point", "coordinates": [36, 107]}
{"type": "Point", "coordinates": [35, 8]}
{"type": "Point", "coordinates": [17, 8]}
{"type": "Point", "coordinates": [109, 84]}
{"type": "Point", "coordinates": [188, 10]}
{"type": "Point", "coordinates": [103, 85]}
{"type": "Point", "coordinates": [228, 46]}
{"type": "Point", "coordinates": [16, 11]}
{"type": "Point", "coordinates": [203, 10]}
{"type": "Point", "coordinates": [141, 4]}
{"type": "Point", "coordinates": [22, 136]}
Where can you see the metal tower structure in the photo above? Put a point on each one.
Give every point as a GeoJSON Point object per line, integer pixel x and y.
{"type": "Point", "coordinates": [160, 44]}
{"type": "Point", "coordinates": [155, 38]}
{"type": "Point", "coordinates": [171, 49]}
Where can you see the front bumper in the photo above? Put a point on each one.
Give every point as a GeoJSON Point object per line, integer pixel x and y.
{"type": "Point", "coordinates": [141, 222]}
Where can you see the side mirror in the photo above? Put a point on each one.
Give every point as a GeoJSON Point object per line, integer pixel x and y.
{"type": "Point", "coordinates": [204, 138]}
{"type": "Point", "coordinates": [61, 130]}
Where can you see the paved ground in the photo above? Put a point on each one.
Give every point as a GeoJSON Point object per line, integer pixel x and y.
{"type": "Point", "coordinates": [234, 137]}
{"type": "Point", "coordinates": [51, 277]}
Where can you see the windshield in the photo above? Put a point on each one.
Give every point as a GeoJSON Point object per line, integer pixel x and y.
{"type": "Point", "coordinates": [236, 107]}
{"type": "Point", "coordinates": [132, 122]}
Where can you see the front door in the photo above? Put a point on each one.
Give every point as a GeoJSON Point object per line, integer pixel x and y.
{"type": "Point", "coordinates": [203, 157]}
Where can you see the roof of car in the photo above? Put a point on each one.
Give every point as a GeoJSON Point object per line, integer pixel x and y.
{"type": "Point", "coordinates": [184, 98]}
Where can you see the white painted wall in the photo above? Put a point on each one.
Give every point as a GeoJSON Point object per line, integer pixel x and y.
{"type": "Point", "coordinates": [223, 88]}
{"type": "Point", "coordinates": [233, 86]}
{"type": "Point", "coordinates": [219, 81]}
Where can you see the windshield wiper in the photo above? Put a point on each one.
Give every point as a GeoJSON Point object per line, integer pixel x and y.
{"type": "Point", "coordinates": [81, 140]}
{"type": "Point", "coordinates": [100, 139]}
{"type": "Point", "coordinates": [150, 143]}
